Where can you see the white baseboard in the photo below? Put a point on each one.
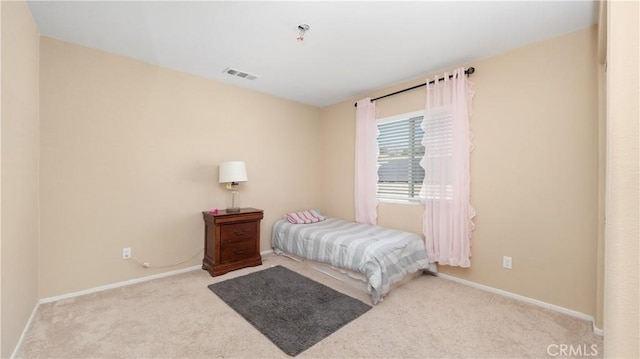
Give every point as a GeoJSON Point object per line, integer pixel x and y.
{"type": "Point", "coordinates": [119, 284]}
{"type": "Point", "coordinates": [597, 331]}
{"type": "Point", "coordinates": [24, 331]}
{"type": "Point", "coordinates": [128, 282]}
{"type": "Point", "coordinates": [522, 298]}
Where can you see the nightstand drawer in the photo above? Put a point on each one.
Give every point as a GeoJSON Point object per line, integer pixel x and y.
{"type": "Point", "coordinates": [237, 251]}
{"type": "Point", "coordinates": [237, 232]}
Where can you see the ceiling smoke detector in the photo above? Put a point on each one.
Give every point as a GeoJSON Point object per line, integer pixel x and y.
{"type": "Point", "coordinates": [239, 73]}
{"type": "Point", "coordinates": [302, 28]}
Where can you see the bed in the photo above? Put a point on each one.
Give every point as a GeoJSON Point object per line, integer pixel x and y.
{"type": "Point", "coordinates": [383, 256]}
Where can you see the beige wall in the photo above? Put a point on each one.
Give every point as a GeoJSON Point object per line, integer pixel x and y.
{"type": "Point", "coordinates": [1, 42]}
{"type": "Point", "coordinates": [602, 163]}
{"type": "Point", "coordinates": [534, 169]}
{"type": "Point", "coordinates": [129, 158]}
{"type": "Point", "coordinates": [19, 127]}
{"type": "Point", "coordinates": [622, 273]}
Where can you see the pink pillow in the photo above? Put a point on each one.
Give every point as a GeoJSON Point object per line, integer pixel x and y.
{"type": "Point", "coordinates": [304, 217]}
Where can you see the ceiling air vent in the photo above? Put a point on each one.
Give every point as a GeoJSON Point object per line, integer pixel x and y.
{"type": "Point", "coordinates": [239, 73]}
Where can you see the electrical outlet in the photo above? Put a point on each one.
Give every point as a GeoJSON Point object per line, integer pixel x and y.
{"type": "Point", "coordinates": [126, 253]}
{"type": "Point", "coordinates": [507, 262]}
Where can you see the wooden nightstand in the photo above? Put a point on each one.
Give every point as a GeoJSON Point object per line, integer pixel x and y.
{"type": "Point", "coordinates": [231, 240]}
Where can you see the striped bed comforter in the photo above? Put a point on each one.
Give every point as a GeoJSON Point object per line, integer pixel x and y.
{"type": "Point", "coordinates": [384, 256]}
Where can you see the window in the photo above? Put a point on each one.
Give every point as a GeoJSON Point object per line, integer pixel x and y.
{"type": "Point", "coordinates": [400, 151]}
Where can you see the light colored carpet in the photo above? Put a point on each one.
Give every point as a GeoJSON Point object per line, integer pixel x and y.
{"type": "Point", "coordinates": [179, 317]}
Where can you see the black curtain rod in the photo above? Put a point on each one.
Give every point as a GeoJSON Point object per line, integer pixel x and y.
{"type": "Point", "coordinates": [467, 72]}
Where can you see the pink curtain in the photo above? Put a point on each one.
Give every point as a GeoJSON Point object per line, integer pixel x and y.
{"type": "Point", "coordinates": [366, 176]}
{"type": "Point", "coordinates": [448, 215]}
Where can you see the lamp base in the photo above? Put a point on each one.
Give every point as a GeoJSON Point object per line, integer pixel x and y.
{"type": "Point", "coordinates": [234, 205]}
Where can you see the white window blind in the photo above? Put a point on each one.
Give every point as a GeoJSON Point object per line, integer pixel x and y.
{"type": "Point", "coordinates": [439, 154]}
{"type": "Point", "coordinates": [399, 173]}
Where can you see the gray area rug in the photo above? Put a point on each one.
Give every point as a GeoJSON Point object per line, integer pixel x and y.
{"type": "Point", "coordinates": [293, 311]}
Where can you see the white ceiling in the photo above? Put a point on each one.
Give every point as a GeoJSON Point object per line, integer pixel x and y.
{"type": "Point", "coordinates": [352, 47]}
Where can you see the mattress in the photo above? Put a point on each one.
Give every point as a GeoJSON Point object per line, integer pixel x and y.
{"type": "Point", "coordinates": [384, 256]}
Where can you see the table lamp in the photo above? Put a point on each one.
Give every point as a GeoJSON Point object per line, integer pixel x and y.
{"type": "Point", "coordinates": [231, 173]}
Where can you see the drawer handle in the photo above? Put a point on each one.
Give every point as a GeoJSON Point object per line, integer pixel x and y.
{"type": "Point", "coordinates": [238, 251]}
{"type": "Point", "coordinates": [238, 233]}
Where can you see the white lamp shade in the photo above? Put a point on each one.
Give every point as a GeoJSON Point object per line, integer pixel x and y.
{"type": "Point", "coordinates": [232, 171]}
